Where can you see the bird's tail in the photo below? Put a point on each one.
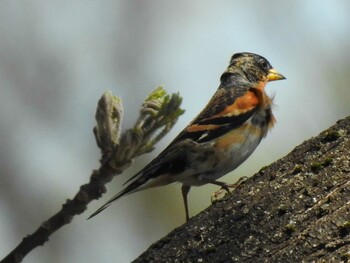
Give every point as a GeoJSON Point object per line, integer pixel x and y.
{"type": "Point", "coordinates": [127, 190]}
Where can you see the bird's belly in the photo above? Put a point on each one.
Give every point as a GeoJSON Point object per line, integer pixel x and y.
{"type": "Point", "coordinates": [235, 147]}
{"type": "Point", "coordinates": [226, 154]}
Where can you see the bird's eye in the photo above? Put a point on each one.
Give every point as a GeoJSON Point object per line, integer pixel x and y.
{"type": "Point", "coordinates": [264, 64]}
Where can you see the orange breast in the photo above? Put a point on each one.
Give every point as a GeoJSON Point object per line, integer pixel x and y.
{"type": "Point", "coordinates": [238, 136]}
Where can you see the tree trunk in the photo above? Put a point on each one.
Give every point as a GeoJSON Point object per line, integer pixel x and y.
{"type": "Point", "coordinates": [295, 210]}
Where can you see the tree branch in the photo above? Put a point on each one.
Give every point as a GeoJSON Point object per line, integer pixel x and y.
{"type": "Point", "coordinates": [158, 115]}
{"type": "Point", "coordinates": [295, 210]}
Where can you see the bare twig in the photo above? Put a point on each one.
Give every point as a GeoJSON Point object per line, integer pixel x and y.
{"type": "Point", "coordinates": [158, 115]}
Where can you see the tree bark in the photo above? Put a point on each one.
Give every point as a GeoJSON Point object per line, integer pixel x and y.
{"type": "Point", "coordinates": [295, 210]}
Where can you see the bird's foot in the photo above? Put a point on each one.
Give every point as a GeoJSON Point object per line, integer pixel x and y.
{"type": "Point", "coordinates": [225, 189]}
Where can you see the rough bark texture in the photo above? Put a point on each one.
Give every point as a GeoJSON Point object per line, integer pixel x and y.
{"type": "Point", "coordinates": [295, 210]}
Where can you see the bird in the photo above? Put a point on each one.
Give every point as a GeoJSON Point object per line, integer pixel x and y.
{"type": "Point", "coordinates": [222, 136]}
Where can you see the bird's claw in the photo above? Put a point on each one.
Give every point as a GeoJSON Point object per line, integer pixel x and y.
{"type": "Point", "coordinates": [216, 196]}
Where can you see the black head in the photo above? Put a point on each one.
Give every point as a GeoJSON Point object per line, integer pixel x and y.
{"type": "Point", "coordinates": [252, 68]}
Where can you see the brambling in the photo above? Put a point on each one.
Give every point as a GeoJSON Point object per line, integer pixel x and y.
{"type": "Point", "coordinates": [223, 135]}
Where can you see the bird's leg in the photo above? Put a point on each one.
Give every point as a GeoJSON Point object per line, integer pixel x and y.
{"type": "Point", "coordinates": [238, 183]}
{"type": "Point", "coordinates": [226, 187]}
{"type": "Point", "coordinates": [185, 189]}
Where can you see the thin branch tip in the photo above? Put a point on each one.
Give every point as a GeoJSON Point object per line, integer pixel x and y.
{"type": "Point", "coordinates": [118, 150]}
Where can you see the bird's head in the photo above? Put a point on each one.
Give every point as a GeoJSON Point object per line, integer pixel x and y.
{"type": "Point", "coordinates": [251, 68]}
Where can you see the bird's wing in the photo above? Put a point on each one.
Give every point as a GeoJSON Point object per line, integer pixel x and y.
{"type": "Point", "coordinates": [228, 109]}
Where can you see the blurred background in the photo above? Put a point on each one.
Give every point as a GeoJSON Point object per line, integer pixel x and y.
{"type": "Point", "coordinates": [58, 57]}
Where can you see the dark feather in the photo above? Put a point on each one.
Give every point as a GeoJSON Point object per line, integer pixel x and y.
{"type": "Point", "coordinates": [227, 124]}
{"type": "Point", "coordinates": [226, 95]}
